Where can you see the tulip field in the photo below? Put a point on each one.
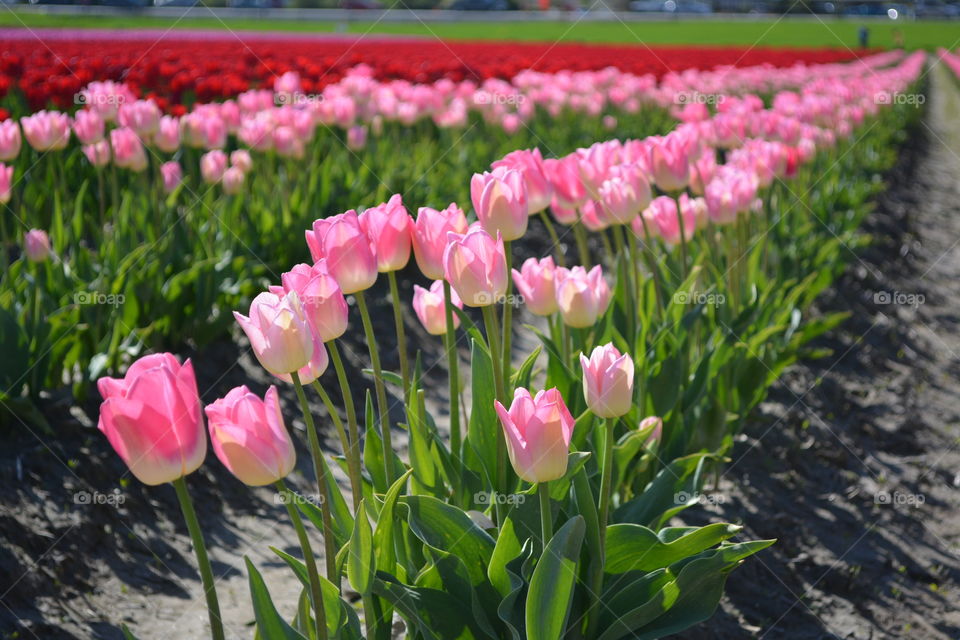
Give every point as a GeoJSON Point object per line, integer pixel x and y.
{"type": "Point", "coordinates": [512, 307]}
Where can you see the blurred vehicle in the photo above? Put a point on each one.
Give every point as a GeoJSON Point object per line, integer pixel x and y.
{"type": "Point", "coordinates": [361, 4]}
{"type": "Point", "coordinates": [670, 6]}
{"type": "Point", "coordinates": [480, 5]}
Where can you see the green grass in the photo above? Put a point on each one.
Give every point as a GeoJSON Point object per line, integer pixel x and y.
{"type": "Point", "coordinates": [805, 31]}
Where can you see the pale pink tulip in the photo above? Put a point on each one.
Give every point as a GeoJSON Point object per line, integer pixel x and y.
{"type": "Point", "coordinates": [232, 180]}
{"type": "Point", "coordinates": [350, 260]}
{"type": "Point", "coordinates": [128, 151]}
{"type": "Point", "coordinates": [430, 231]}
{"type": "Point", "coordinates": [529, 162]}
{"type": "Point", "coordinates": [47, 130]}
{"type": "Point", "coordinates": [535, 283]}
{"type": "Point", "coordinates": [389, 229]}
{"type": "Point", "coordinates": [430, 306]}
{"type": "Point", "coordinates": [582, 296]}
{"type": "Point", "coordinates": [10, 140]}
{"type": "Point", "coordinates": [279, 333]}
{"type": "Point", "coordinates": [98, 153]}
{"type": "Point", "coordinates": [607, 381]}
{"type": "Point", "coordinates": [36, 245]}
{"type": "Point", "coordinates": [172, 175]}
{"type": "Point", "coordinates": [538, 431]}
{"type": "Point", "coordinates": [500, 202]}
{"type": "Point", "coordinates": [88, 126]}
{"type": "Point", "coordinates": [6, 183]}
{"type": "Point", "coordinates": [167, 136]}
{"type": "Point", "coordinates": [320, 295]}
{"type": "Point", "coordinates": [213, 164]}
{"type": "Point", "coordinates": [475, 265]}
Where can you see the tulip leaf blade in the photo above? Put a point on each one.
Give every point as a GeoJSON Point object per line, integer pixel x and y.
{"type": "Point", "coordinates": [672, 490]}
{"type": "Point", "coordinates": [633, 547]}
{"type": "Point", "coordinates": [270, 625]}
{"type": "Point", "coordinates": [435, 614]}
{"type": "Point", "coordinates": [361, 563]}
{"type": "Point", "coordinates": [552, 583]}
{"type": "Point", "coordinates": [480, 446]}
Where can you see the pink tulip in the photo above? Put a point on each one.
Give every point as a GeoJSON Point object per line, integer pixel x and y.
{"type": "Point", "coordinates": [320, 295]}
{"type": "Point", "coordinates": [535, 282]}
{"type": "Point", "coordinates": [143, 116]}
{"type": "Point", "coordinates": [538, 431]}
{"type": "Point", "coordinates": [620, 200]}
{"type": "Point", "coordinates": [670, 163]}
{"type": "Point", "coordinates": [500, 201]}
{"type": "Point", "coordinates": [242, 160]}
{"type": "Point", "coordinates": [694, 209]}
{"type": "Point", "coordinates": [128, 151]}
{"type": "Point", "coordinates": [287, 86]}
{"type": "Point", "coordinates": [172, 175]}
{"type": "Point", "coordinates": [564, 176]}
{"type": "Point", "coordinates": [167, 136]}
{"type": "Point", "coordinates": [98, 154]}
{"type": "Point", "coordinates": [88, 126]}
{"type": "Point", "coordinates": [213, 164]}
{"type": "Point", "coordinates": [10, 140]}
{"type": "Point", "coordinates": [350, 260]}
{"type": "Point", "coordinates": [278, 331]}
{"type": "Point", "coordinates": [47, 130]}
{"type": "Point", "coordinates": [6, 183]}
{"type": "Point", "coordinates": [249, 436]}
{"type": "Point", "coordinates": [36, 245]}
{"type": "Point", "coordinates": [152, 418]}
{"type": "Point", "coordinates": [656, 424]}
{"type": "Point", "coordinates": [356, 137]}
{"type": "Point", "coordinates": [475, 265]}
{"type": "Point", "coordinates": [390, 230]}
{"type": "Point", "coordinates": [232, 180]}
{"type": "Point", "coordinates": [607, 381]}
{"type": "Point", "coordinates": [581, 296]}
{"type": "Point", "coordinates": [666, 216]}
{"type": "Point", "coordinates": [529, 162]}
{"type": "Point", "coordinates": [430, 306]}
{"type": "Point", "coordinates": [430, 231]}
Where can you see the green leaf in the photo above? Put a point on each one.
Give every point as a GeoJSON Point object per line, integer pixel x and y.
{"type": "Point", "coordinates": [506, 550]}
{"type": "Point", "coordinates": [270, 625]}
{"type": "Point", "coordinates": [434, 614]}
{"type": "Point", "coordinates": [671, 491]}
{"type": "Point", "coordinates": [480, 445]}
{"type": "Point", "coordinates": [553, 582]}
{"type": "Point", "coordinates": [511, 609]}
{"type": "Point", "coordinates": [521, 377]}
{"type": "Point", "coordinates": [632, 547]}
{"type": "Point", "coordinates": [340, 615]}
{"type": "Point", "coordinates": [383, 541]}
{"type": "Point", "coordinates": [361, 564]}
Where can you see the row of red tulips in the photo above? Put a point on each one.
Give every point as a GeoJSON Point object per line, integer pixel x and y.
{"type": "Point", "coordinates": [174, 69]}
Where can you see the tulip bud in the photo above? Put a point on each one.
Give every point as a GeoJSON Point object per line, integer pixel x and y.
{"type": "Point", "coordinates": [430, 306]}
{"type": "Point", "coordinates": [98, 154]}
{"type": "Point", "coordinates": [36, 245]}
{"type": "Point", "coordinates": [323, 302]}
{"type": "Point", "coordinates": [10, 140]}
{"type": "Point", "coordinates": [530, 165]}
{"type": "Point", "coordinates": [476, 266]}
{"type": "Point", "coordinates": [232, 181]}
{"type": "Point", "coordinates": [538, 431]}
{"type": "Point", "coordinates": [6, 183]}
{"type": "Point", "coordinates": [278, 331]}
{"type": "Point", "coordinates": [655, 425]}
{"type": "Point", "coordinates": [500, 201]}
{"type": "Point", "coordinates": [350, 260]}
{"type": "Point", "coordinates": [249, 436]}
{"type": "Point", "coordinates": [608, 381]}
{"type": "Point", "coordinates": [389, 229]}
{"type": "Point", "coordinates": [152, 418]}
{"type": "Point", "coordinates": [212, 166]}
{"type": "Point", "coordinates": [535, 282]}
{"type": "Point", "coordinates": [581, 296]}
{"type": "Point", "coordinates": [172, 175]}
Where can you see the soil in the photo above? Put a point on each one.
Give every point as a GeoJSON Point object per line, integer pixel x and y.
{"type": "Point", "coordinates": [852, 464]}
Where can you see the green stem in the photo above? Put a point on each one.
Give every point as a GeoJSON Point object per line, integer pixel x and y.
{"type": "Point", "coordinates": [546, 514]}
{"type": "Point", "coordinates": [453, 370]}
{"type": "Point", "coordinates": [355, 483]}
{"type": "Point", "coordinates": [320, 468]}
{"type": "Point", "coordinates": [652, 265]}
{"type": "Point", "coordinates": [506, 359]}
{"type": "Point", "coordinates": [203, 562]}
{"type": "Point", "coordinates": [401, 335]}
{"type": "Point", "coordinates": [354, 454]}
{"type": "Point", "coordinates": [308, 558]}
{"type": "Point", "coordinates": [493, 337]}
{"type": "Point", "coordinates": [385, 435]}
{"type": "Point", "coordinates": [596, 579]}
{"type": "Point", "coordinates": [554, 238]}
{"type": "Point", "coordinates": [583, 249]}
{"type": "Point", "coordinates": [683, 246]}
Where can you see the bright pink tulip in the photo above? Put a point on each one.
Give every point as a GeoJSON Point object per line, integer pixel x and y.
{"type": "Point", "coordinates": [167, 137]}
{"type": "Point", "coordinates": [581, 296]}
{"type": "Point", "coordinates": [535, 283]}
{"type": "Point", "coordinates": [128, 151]}
{"type": "Point", "coordinates": [98, 153]}
{"type": "Point", "coordinates": [476, 266]}
{"type": "Point", "coordinates": [172, 175]}
{"type": "Point", "coordinates": [538, 431]}
{"type": "Point", "coordinates": [346, 248]}
{"type": "Point", "coordinates": [242, 160]}
{"type": "Point", "coordinates": [88, 126]}
{"type": "Point", "coordinates": [36, 245]}
{"type": "Point", "coordinates": [320, 295]}
{"type": "Point", "coordinates": [212, 166]}
{"type": "Point", "coordinates": [279, 333]}
{"type": "Point", "coordinates": [500, 202]}
{"type": "Point", "coordinates": [564, 176]}
{"type": "Point", "coordinates": [620, 200]}
{"type": "Point", "coordinates": [390, 230]}
{"type": "Point", "coordinates": [152, 418]}
{"type": "Point", "coordinates": [47, 130]}
{"type": "Point", "coordinates": [10, 140]}
{"type": "Point", "coordinates": [249, 436]}
{"type": "Point", "coordinates": [607, 381]}
{"type": "Point", "coordinates": [430, 231]}
{"type": "Point", "coordinates": [529, 162]}
{"type": "Point", "coordinates": [6, 183]}
{"type": "Point", "coordinates": [232, 180]}
{"type": "Point", "coordinates": [430, 306]}
{"type": "Point", "coordinates": [666, 216]}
